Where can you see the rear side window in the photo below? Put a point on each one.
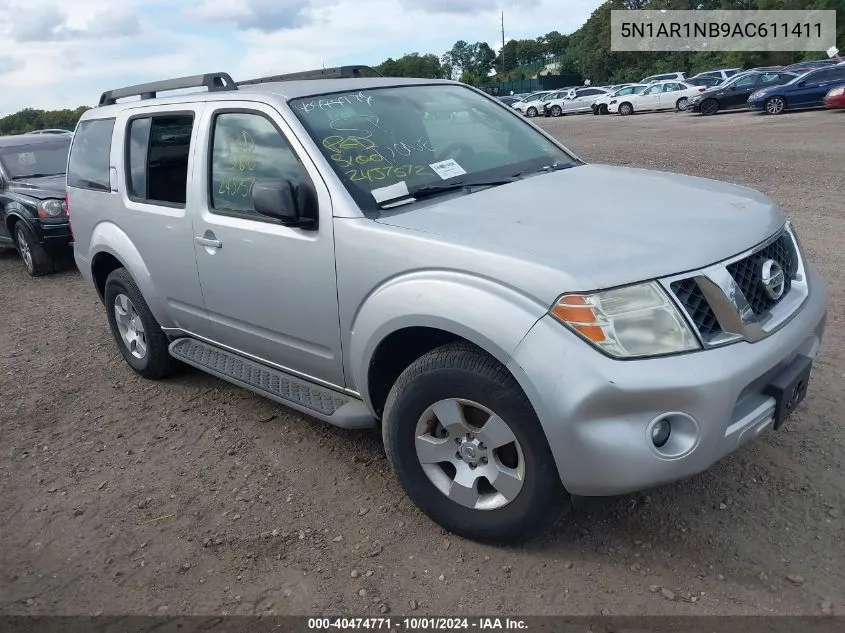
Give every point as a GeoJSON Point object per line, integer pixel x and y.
{"type": "Point", "coordinates": [88, 167]}
{"type": "Point", "coordinates": [157, 153]}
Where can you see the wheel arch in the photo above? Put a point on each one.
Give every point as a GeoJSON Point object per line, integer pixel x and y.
{"type": "Point", "coordinates": [15, 213]}
{"type": "Point", "coordinates": [386, 336]}
{"type": "Point", "coordinates": [110, 248]}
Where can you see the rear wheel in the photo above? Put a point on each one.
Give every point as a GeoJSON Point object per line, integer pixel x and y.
{"type": "Point", "coordinates": [709, 106]}
{"type": "Point", "coordinates": [625, 109]}
{"type": "Point", "coordinates": [775, 105]}
{"type": "Point", "coordinates": [35, 258]}
{"type": "Point", "coordinates": [137, 333]}
{"type": "Point", "coordinates": [468, 448]}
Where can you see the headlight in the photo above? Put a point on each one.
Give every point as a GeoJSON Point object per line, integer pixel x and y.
{"type": "Point", "coordinates": [612, 102]}
{"type": "Point", "coordinates": [836, 91]}
{"type": "Point", "coordinates": [756, 95]}
{"type": "Point", "coordinates": [50, 208]}
{"type": "Point", "coordinates": [627, 322]}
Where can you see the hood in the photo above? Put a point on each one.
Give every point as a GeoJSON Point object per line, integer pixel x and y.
{"type": "Point", "coordinates": [41, 188]}
{"type": "Point", "coordinates": [601, 225]}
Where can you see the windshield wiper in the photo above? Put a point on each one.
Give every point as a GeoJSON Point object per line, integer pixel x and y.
{"type": "Point", "coordinates": [557, 166]}
{"type": "Point", "coordinates": [429, 191]}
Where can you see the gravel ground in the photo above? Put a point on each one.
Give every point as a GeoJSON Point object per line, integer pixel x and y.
{"type": "Point", "coordinates": [191, 496]}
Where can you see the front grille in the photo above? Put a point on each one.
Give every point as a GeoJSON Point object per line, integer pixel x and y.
{"type": "Point", "coordinates": [746, 273]}
{"type": "Point", "coordinates": [693, 301]}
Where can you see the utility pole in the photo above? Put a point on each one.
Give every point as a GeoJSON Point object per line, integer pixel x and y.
{"type": "Point", "coordinates": [503, 43]}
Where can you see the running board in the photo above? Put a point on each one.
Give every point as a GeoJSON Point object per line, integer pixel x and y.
{"type": "Point", "coordinates": [314, 400]}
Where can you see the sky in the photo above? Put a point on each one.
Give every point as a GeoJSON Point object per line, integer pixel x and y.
{"type": "Point", "coordinates": [58, 54]}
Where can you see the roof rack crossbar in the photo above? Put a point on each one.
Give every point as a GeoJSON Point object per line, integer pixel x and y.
{"type": "Point", "coordinates": [337, 72]}
{"type": "Point", "coordinates": [214, 82]}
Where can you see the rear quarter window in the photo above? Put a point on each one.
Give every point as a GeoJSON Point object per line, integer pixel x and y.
{"type": "Point", "coordinates": [88, 167]}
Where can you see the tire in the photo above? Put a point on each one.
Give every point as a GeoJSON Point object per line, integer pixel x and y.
{"type": "Point", "coordinates": [155, 362]}
{"type": "Point", "coordinates": [531, 112]}
{"type": "Point", "coordinates": [555, 111]}
{"type": "Point", "coordinates": [460, 371]}
{"type": "Point", "coordinates": [682, 103]}
{"type": "Point", "coordinates": [603, 109]}
{"type": "Point", "coordinates": [709, 107]}
{"type": "Point", "coordinates": [35, 258]}
{"type": "Point", "coordinates": [625, 109]}
{"type": "Point", "coordinates": [775, 105]}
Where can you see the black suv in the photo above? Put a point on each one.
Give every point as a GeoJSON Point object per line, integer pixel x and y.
{"type": "Point", "coordinates": [33, 213]}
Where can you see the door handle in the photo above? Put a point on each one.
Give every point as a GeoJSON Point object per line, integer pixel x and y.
{"type": "Point", "coordinates": [208, 242]}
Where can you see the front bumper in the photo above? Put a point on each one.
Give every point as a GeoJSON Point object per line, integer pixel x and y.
{"type": "Point", "coordinates": [596, 411]}
{"type": "Point", "coordinates": [54, 235]}
{"type": "Point", "coordinates": [756, 104]}
{"type": "Point", "coordinates": [834, 102]}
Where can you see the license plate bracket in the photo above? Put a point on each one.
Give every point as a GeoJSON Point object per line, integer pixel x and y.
{"type": "Point", "coordinates": [789, 388]}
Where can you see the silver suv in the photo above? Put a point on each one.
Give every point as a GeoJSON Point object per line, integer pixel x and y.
{"type": "Point", "coordinates": [412, 255]}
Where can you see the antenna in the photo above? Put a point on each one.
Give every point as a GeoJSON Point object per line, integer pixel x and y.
{"type": "Point", "coordinates": [503, 43]}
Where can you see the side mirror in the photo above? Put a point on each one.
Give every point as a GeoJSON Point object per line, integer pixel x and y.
{"type": "Point", "coordinates": [289, 203]}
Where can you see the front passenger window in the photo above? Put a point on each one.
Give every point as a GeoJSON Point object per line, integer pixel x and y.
{"type": "Point", "coordinates": [245, 148]}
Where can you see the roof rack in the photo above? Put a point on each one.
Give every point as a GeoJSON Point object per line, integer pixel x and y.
{"type": "Point", "coordinates": [338, 72]}
{"type": "Point", "coordinates": [215, 82]}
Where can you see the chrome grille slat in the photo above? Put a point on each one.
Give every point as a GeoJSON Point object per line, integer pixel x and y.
{"type": "Point", "coordinates": [746, 273]}
{"type": "Point", "coordinates": [726, 302]}
{"type": "Point", "coordinates": [689, 294]}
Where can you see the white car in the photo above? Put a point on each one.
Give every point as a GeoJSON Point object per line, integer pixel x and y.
{"type": "Point", "coordinates": [663, 95]}
{"type": "Point", "coordinates": [720, 73]}
{"type": "Point", "coordinates": [663, 77]}
{"type": "Point", "coordinates": [522, 106]}
{"type": "Point", "coordinates": [578, 100]}
{"type": "Point", "coordinates": [600, 105]}
{"type": "Point", "coordinates": [534, 108]}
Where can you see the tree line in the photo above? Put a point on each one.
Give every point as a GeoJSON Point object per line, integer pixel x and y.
{"type": "Point", "coordinates": [585, 52]}
{"type": "Point", "coordinates": [30, 119]}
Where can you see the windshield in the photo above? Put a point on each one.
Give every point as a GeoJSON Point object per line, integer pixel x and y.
{"type": "Point", "coordinates": [38, 159]}
{"type": "Point", "coordinates": [801, 76]}
{"type": "Point", "coordinates": [420, 136]}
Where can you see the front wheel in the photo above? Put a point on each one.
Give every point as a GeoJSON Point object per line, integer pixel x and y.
{"type": "Point", "coordinates": [532, 111]}
{"type": "Point", "coordinates": [137, 333]}
{"type": "Point", "coordinates": [468, 449]}
{"type": "Point", "coordinates": [682, 103]}
{"type": "Point", "coordinates": [625, 109]}
{"type": "Point", "coordinates": [603, 109]}
{"type": "Point", "coordinates": [556, 111]}
{"type": "Point", "coordinates": [709, 106]}
{"type": "Point", "coordinates": [36, 259]}
{"type": "Point", "coordinates": [775, 105]}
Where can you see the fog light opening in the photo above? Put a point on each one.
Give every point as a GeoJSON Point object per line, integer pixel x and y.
{"type": "Point", "coordinates": [672, 435]}
{"type": "Point", "coordinates": [660, 432]}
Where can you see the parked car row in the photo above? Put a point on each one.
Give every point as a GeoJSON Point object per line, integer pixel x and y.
{"type": "Point", "coordinates": [770, 89]}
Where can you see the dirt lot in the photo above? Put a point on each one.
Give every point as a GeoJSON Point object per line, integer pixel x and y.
{"type": "Point", "coordinates": [190, 496]}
